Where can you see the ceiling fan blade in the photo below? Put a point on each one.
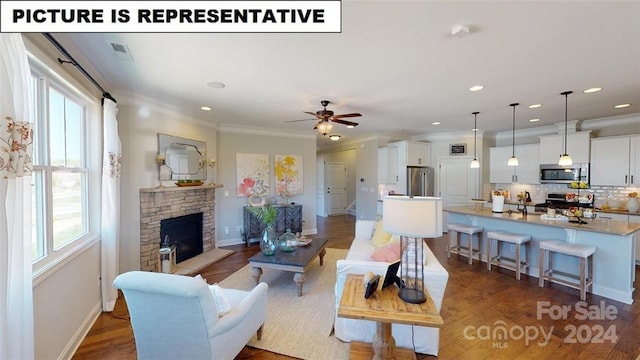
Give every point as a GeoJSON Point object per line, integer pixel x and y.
{"type": "Point", "coordinates": [345, 122]}
{"type": "Point", "coordinates": [291, 121]}
{"type": "Point", "coordinates": [346, 115]}
{"type": "Point", "coordinates": [310, 113]}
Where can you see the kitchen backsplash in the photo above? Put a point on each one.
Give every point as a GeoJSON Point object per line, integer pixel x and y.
{"type": "Point", "coordinates": [539, 192]}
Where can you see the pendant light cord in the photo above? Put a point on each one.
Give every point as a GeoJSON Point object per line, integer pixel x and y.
{"type": "Point", "coordinates": [475, 132]}
{"type": "Point", "coordinates": [513, 134]}
{"type": "Point", "coordinates": [566, 112]}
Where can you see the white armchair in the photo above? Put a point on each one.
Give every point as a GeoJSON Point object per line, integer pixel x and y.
{"type": "Point", "coordinates": [175, 317]}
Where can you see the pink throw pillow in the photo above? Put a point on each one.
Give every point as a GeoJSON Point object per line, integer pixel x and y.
{"type": "Point", "coordinates": [387, 253]}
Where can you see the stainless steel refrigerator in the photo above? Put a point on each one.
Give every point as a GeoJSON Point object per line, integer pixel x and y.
{"type": "Point", "coordinates": [420, 180]}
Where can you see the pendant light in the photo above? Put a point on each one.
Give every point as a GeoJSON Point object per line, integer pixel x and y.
{"type": "Point", "coordinates": [513, 160]}
{"type": "Point", "coordinates": [324, 127]}
{"type": "Point", "coordinates": [565, 159]}
{"type": "Point", "coordinates": [475, 163]}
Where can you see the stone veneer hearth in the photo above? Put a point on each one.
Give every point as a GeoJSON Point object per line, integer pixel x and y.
{"type": "Point", "coordinates": [157, 204]}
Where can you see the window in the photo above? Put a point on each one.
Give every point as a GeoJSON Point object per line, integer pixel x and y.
{"type": "Point", "coordinates": [61, 166]}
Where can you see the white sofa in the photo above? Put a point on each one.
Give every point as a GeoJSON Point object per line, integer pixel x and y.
{"type": "Point", "coordinates": [426, 339]}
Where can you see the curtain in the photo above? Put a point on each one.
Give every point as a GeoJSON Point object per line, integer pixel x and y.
{"type": "Point", "coordinates": [111, 162]}
{"type": "Point", "coordinates": [16, 141]}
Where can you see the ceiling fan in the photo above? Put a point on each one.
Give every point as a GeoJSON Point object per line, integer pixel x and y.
{"type": "Point", "coordinates": [326, 117]}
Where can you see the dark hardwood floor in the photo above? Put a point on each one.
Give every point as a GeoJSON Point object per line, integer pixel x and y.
{"type": "Point", "coordinates": [477, 305]}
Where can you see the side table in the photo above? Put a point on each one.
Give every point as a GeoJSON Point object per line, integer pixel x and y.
{"type": "Point", "coordinates": [384, 307]}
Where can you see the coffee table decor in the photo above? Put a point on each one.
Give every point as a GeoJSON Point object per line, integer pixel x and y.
{"type": "Point", "coordinates": [287, 241]}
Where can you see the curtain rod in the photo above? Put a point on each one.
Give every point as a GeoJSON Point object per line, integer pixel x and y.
{"type": "Point", "coordinates": [73, 61]}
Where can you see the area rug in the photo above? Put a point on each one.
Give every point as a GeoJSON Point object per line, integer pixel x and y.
{"type": "Point", "coordinates": [298, 326]}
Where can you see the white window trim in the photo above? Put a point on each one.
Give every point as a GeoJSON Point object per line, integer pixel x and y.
{"type": "Point", "coordinates": [48, 265]}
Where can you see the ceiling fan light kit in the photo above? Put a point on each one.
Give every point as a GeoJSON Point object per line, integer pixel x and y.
{"type": "Point", "coordinates": [565, 159]}
{"type": "Point", "coordinates": [326, 117]}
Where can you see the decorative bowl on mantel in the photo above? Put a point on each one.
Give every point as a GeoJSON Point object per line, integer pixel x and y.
{"type": "Point", "coordinates": [191, 183]}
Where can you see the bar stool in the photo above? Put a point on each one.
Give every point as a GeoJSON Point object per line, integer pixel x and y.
{"type": "Point", "coordinates": [470, 231]}
{"type": "Point", "coordinates": [583, 252]}
{"type": "Point", "coordinates": [513, 264]}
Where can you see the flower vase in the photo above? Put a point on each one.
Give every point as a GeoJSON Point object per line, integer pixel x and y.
{"type": "Point", "coordinates": [269, 241]}
{"type": "Point", "coordinates": [633, 204]}
{"type": "Point", "coordinates": [287, 241]}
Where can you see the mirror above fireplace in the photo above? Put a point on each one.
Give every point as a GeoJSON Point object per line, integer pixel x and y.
{"type": "Point", "coordinates": [181, 159]}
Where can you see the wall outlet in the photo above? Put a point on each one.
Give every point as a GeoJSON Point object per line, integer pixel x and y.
{"type": "Point", "coordinates": [226, 230]}
{"type": "Point", "coordinates": [239, 228]}
{"type": "Point", "coordinates": [304, 221]}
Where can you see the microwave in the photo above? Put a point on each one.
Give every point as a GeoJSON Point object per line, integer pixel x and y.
{"type": "Point", "coordinates": [554, 173]}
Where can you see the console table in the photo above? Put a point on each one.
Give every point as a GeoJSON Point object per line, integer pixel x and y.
{"type": "Point", "coordinates": [287, 217]}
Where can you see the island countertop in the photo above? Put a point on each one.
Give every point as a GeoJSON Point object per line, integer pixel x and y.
{"type": "Point", "coordinates": [604, 226]}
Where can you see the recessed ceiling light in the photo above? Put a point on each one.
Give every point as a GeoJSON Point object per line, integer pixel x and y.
{"type": "Point", "coordinates": [334, 137]}
{"type": "Point", "coordinates": [592, 90]}
{"type": "Point", "coordinates": [435, 123]}
{"type": "Point", "coordinates": [476, 88]}
{"type": "Point", "coordinates": [205, 108]}
{"type": "Point", "coordinates": [534, 120]}
{"type": "Point", "coordinates": [350, 126]}
{"type": "Point", "coordinates": [622, 106]}
{"type": "Point", "coordinates": [216, 85]}
{"type": "Point", "coordinates": [535, 106]}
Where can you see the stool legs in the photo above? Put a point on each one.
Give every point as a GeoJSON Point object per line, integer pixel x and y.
{"type": "Point", "coordinates": [518, 264]}
{"type": "Point", "coordinates": [489, 240]}
{"type": "Point", "coordinates": [541, 268]}
{"type": "Point", "coordinates": [469, 247]}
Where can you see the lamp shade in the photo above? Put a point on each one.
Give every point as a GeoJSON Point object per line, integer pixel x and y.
{"type": "Point", "coordinates": [475, 164]}
{"type": "Point", "coordinates": [418, 216]}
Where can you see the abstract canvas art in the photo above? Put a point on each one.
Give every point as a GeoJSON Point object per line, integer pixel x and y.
{"type": "Point", "coordinates": [288, 175]}
{"type": "Point", "coordinates": [252, 173]}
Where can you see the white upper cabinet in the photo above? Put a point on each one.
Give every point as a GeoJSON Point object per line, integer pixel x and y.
{"type": "Point", "coordinates": [387, 165]}
{"type": "Point", "coordinates": [527, 172]}
{"type": "Point", "coordinates": [615, 161]}
{"type": "Point", "coordinates": [418, 153]}
{"type": "Point", "coordinates": [578, 147]}
{"type": "Point", "coordinates": [413, 153]}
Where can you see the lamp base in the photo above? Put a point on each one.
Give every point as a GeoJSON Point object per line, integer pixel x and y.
{"type": "Point", "coordinates": [413, 296]}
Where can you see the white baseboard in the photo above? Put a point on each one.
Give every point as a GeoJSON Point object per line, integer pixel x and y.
{"type": "Point", "coordinates": [77, 338]}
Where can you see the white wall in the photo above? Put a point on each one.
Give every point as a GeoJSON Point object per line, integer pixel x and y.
{"type": "Point", "coordinates": [236, 140]}
{"type": "Point", "coordinates": [139, 122]}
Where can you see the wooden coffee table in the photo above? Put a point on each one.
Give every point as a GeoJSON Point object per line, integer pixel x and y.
{"type": "Point", "coordinates": [297, 261]}
{"type": "Point", "coordinates": [384, 307]}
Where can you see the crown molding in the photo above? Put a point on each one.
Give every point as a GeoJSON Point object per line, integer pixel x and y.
{"type": "Point", "coordinates": [125, 97]}
{"type": "Point", "coordinates": [238, 129]}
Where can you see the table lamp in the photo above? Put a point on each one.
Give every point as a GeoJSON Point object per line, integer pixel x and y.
{"type": "Point", "coordinates": [413, 219]}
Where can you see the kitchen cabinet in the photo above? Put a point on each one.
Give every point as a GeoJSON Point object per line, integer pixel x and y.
{"type": "Point", "coordinates": [527, 172]}
{"type": "Point", "coordinates": [615, 161]}
{"type": "Point", "coordinates": [413, 153]}
{"type": "Point", "coordinates": [578, 146]}
{"type": "Point", "coordinates": [387, 165]}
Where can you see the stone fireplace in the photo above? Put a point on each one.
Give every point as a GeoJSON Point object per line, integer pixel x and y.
{"type": "Point", "coordinates": [171, 202]}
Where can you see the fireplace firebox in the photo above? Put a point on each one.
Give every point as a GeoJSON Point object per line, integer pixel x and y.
{"type": "Point", "coordinates": [185, 232]}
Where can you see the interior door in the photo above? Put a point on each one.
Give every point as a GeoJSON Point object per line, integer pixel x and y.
{"type": "Point", "coordinates": [457, 182]}
{"type": "Point", "coordinates": [335, 188]}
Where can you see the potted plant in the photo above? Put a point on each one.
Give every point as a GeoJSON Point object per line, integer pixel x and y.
{"type": "Point", "coordinates": [267, 215]}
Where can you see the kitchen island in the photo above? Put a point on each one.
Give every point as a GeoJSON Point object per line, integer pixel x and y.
{"type": "Point", "coordinates": [613, 261]}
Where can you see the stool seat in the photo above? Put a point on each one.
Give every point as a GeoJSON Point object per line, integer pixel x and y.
{"type": "Point", "coordinates": [564, 247]}
{"type": "Point", "coordinates": [465, 229]}
{"type": "Point", "coordinates": [470, 231]}
{"type": "Point", "coordinates": [509, 237]}
{"type": "Point", "coordinates": [520, 262]}
{"type": "Point", "coordinates": [582, 252]}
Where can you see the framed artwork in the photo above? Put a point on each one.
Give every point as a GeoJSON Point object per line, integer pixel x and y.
{"type": "Point", "coordinates": [252, 174]}
{"type": "Point", "coordinates": [457, 149]}
{"type": "Point", "coordinates": [289, 175]}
